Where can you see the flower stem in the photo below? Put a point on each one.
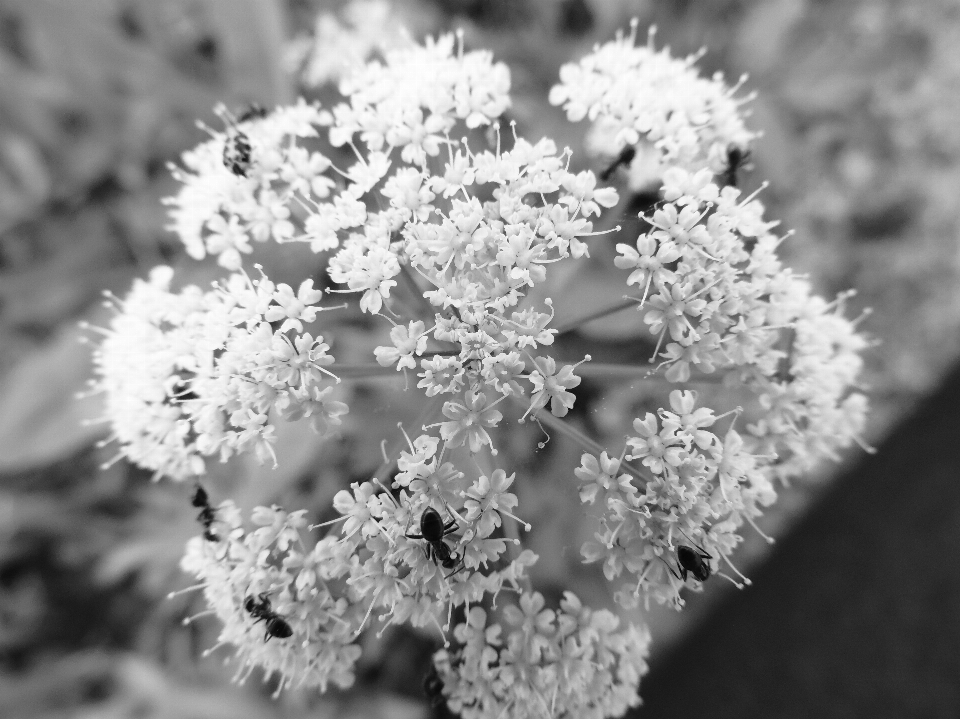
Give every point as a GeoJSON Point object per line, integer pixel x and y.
{"type": "Point", "coordinates": [392, 453]}
{"type": "Point", "coordinates": [363, 371]}
{"type": "Point", "coordinates": [510, 528]}
{"type": "Point", "coordinates": [600, 370]}
{"type": "Point", "coordinates": [612, 309]}
{"type": "Point", "coordinates": [428, 310]}
{"type": "Point", "coordinates": [571, 432]}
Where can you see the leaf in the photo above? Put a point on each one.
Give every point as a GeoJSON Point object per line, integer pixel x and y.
{"type": "Point", "coordinates": [252, 38]}
{"type": "Point", "coordinates": [43, 421]}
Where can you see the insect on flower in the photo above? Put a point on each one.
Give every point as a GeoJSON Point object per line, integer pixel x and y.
{"type": "Point", "coordinates": [433, 687]}
{"type": "Point", "coordinates": [433, 530]}
{"type": "Point", "coordinates": [623, 159]}
{"type": "Point", "coordinates": [254, 111]}
{"type": "Point", "coordinates": [207, 514]}
{"type": "Point", "coordinates": [738, 158]}
{"type": "Point", "coordinates": [236, 152]}
{"type": "Point", "coordinates": [276, 625]}
{"type": "Point", "coordinates": [691, 560]}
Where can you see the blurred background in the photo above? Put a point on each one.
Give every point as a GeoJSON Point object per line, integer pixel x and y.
{"type": "Point", "coordinates": [859, 105]}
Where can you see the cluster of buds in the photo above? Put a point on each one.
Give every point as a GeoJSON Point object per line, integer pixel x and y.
{"type": "Point", "coordinates": [407, 194]}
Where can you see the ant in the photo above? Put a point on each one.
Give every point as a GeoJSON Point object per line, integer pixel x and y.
{"type": "Point", "coordinates": [738, 158]}
{"type": "Point", "coordinates": [207, 514]}
{"type": "Point", "coordinates": [623, 159]}
{"type": "Point", "coordinates": [433, 530]}
{"type": "Point", "coordinates": [254, 111]}
{"type": "Point", "coordinates": [276, 625]}
{"type": "Point", "coordinates": [433, 687]}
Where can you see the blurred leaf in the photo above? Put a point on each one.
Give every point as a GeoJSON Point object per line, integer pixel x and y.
{"type": "Point", "coordinates": [84, 252]}
{"type": "Point", "coordinates": [24, 179]}
{"type": "Point", "coordinates": [97, 685]}
{"type": "Point", "coordinates": [42, 420]}
{"type": "Point", "coordinates": [252, 38]}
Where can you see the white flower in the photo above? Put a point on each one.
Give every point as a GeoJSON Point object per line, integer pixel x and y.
{"type": "Point", "coordinates": [573, 662]}
{"type": "Point", "coordinates": [303, 592]}
{"type": "Point", "coordinates": [193, 374]}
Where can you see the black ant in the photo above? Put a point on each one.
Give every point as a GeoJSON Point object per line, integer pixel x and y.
{"type": "Point", "coordinates": [433, 687]}
{"type": "Point", "coordinates": [433, 530]}
{"type": "Point", "coordinates": [254, 111]}
{"type": "Point", "coordinates": [207, 514]}
{"type": "Point", "coordinates": [623, 159]}
{"type": "Point", "coordinates": [738, 158]}
{"type": "Point", "coordinates": [276, 625]}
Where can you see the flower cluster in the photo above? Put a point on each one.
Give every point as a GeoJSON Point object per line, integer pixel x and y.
{"type": "Point", "coordinates": [445, 233]}
{"type": "Point", "coordinates": [715, 294]}
{"type": "Point", "coordinates": [419, 578]}
{"type": "Point", "coordinates": [242, 185]}
{"type": "Point", "coordinates": [693, 489]}
{"type": "Point", "coordinates": [253, 578]}
{"type": "Point", "coordinates": [194, 373]}
{"type": "Point", "coordinates": [338, 48]}
{"type": "Point", "coordinates": [572, 662]}
{"type": "Point", "coordinates": [638, 96]}
{"type": "Point", "coordinates": [479, 259]}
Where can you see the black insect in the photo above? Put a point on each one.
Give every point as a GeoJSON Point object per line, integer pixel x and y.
{"type": "Point", "coordinates": [692, 560]}
{"type": "Point", "coordinates": [623, 159]}
{"type": "Point", "coordinates": [237, 152]}
{"type": "Point", "coordinates": [276, 625]}
{"type": "Point", "coordinates": [433, 530]}
{"type": "Point", "coordinates": [207, 514]}
{"type": "Point", "coordinates": [254, 111]}
{"type": "Point", "coordinates": [433, 687]}
{"type": "Point", "coordinates": [738, 158]}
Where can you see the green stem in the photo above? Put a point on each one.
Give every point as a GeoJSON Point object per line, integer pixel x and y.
{"type": "Point", "coordinates": [362, 371]}
{"type": "Point", "coordinates": [511, 528]}
{"type": "Point", "coordinates": [428, 309]}
{"type": "Point", "coordinates": [570, 432]}
{"type": "Point", "coordinates": [600, 370]}
{"type": "Point", "coordinates": [612, 309]}
{"type": "Point", "coordinates": [394, 448]}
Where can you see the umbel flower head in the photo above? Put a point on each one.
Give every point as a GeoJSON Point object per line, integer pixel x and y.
{"type": "Point", "coordinates": [638, 95]}
{"type": "Point", "coordinates": [446, 238]}
{"type": "Point", "coordinates": [192, 374]}
{"type": "Point", "coordinates": [573, 662]}
{"type": "Point", "coordinates": [253, 578]}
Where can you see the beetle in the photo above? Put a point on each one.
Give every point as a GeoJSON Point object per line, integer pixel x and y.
{"type": "Point", "coordinates": [433, 530]}
{"type": "Point", "coordinates": [691, 560]}
{"type": "Point", "coordinates": [237, 152]}
{"type": "Point", "coordinates": [276, 625]}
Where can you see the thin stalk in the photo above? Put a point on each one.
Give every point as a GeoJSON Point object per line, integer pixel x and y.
{"type": "Point", "coordinates": [428, 310]}
{"type": "Point", "coordinates": [392, 454]}
{"type": "Point", "coordinates": [600, 370]}
{"type": "Point", "coordinates": [570, 432]}
{"type": "Point", "coordinates": [511, 529]}
{"type": "Point", "coordinates": [364, 371]}
{"type": "Point", "coordinates": [612, 309]}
